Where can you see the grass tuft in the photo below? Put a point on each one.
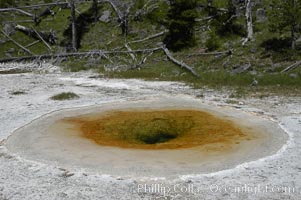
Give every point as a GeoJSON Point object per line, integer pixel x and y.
{"type": "Point", "coordinates": [64, 96]}
{"type": "Point", "coordinates": [18, 92]}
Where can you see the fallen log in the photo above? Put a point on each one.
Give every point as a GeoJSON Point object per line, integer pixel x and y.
{"type": "Point", "coordinates": [181, 64]}
{"type": "Point", "coordinates": [41, 38]}
{"type": "Point", "coordinates": [41, 5]}
{"type": "Point", "coordinates": [149, 37]}
{"type": "Point", "coordinates": [24, 21]}
{"type": "Point", "coordinates": [33, 43]}
{"type": "Point", "coordinates": [16, 43]}
{"type": "Point", "coordinates": [75, 54]}
{"type": "Point", "coordinates": [293, 66]}
{"type": "Point", "coordinates": [16, 10]}
{"type": "Point", "coordinates": [229, 52]}
{"type": "Point", "coordinates": [241, 69]}
{"type": "Point", "coordinates": [103, 54]}
{"type": "Point", "coordinates": [31, 32]}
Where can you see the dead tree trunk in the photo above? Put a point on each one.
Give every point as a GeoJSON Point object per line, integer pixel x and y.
{"type": "Point", "coordinates": [293, 66]}
{"type": "Point", "coordinates": [249, 22]}
{"type": "Point", "coordinates": [125, 22]}
{"type": "Point", "coordinates": [209, 7]}
{"type": "Point", "coordinates": [44, 13]}
{"type": "Point", "coordinates": [74, 28]}
{"type": "Point", "coordinates": [293, 36]}
{"type": "Point", "coordinates": [179, 63]}
{"type": "Point", "coordinates": [95, 10]}
{"type": "Point", "coordinates": [49, 37]}
{"type": "Point", "coordinates": [148, 7]}
{"type": "Point", "coordinates": [123, 17]}
{"type": "Point", "coordinates": [16, 43]}
{"type": "Point", "coordinates": [16, 10]}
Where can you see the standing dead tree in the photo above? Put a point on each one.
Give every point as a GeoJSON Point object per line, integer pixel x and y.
{"type": "Point", "coordinates": [73, 24]}
{"type": "Point", "coordinates": [123, 16]}
{"type": "Point", "coordinates": [249, 22]}
{"type": "Point", "coordinates": [95, 10]}
{"type": "Point", "coordinates": [148, 7]}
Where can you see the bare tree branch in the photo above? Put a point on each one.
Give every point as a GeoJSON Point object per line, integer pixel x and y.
{"type": "Point", "coordinates": [129, 49]}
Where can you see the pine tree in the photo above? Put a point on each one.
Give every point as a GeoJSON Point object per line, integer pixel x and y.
{"type": "Point", "coordinates": [224, 22]}
{"type": "Point", "coordinates": [285, 15]}
{"type": "Point", "coordinates": [181, 18]}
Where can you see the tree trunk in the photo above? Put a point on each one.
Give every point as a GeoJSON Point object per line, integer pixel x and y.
{"type": "Point", "coordinates": [249, 20]}
{"type": "Point", "coordinates": [209, 6]}
{"type": "Point", "coordinates": [49, 37]}
{"type": "Point", "coordinates": [293, 37]}
{"type": "Point", "coordinates": [293, 29]}
{"type": "Point", "coordinates": [209, 3]}
{"type": "Point", "coordinates": [95, 10]}
{"type": "Point", "coordinates": [74, 28]}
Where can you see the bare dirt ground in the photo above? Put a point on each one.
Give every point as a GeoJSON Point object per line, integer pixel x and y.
{"type": "Point", "coordinates": [26, 96]}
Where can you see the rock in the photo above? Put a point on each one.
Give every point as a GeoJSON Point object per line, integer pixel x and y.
{"type": "Point", "coordinates": [274, 67]}
{"type": "Point", "coordinates": [241, 69]}
{"type": "Point", "coordinates": [143, 33]}
{"type": "Point", "coordinates": [9, 29]}
{"type": "Point", "coordinates": [256, 3]}
{"type": "Point", "coordinates": [253, 50]}
{"type": "Point", "coordinates": [59, 60]}
{"type": "Point", "coordinates": [105, 16]}
{"type": "Point", "coordinates": [11, 50]}
{"type": "Point", "coordinates": [293, 75]}
{"type": "Point", "coordinates": [254, 72]}
{"type": "Point", "coordinates": [8, 55]}
{"type": "Point", "coordinates": [261, 15]}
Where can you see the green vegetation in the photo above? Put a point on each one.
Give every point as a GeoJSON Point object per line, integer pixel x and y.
{"type": "Point", "coordinates": [64, 96]}
{"type": "Point", "coordinates": [219, 27]}
{"type": "Point", "coordinates": [19, 92]}
{"type": "Point", "coordinates": [7, 3]}
{"type": "Point", "coordinates": [181, 21]}
{"type": "Point", "coordinates": [213, 43]}
{"type": "Point", "coordinates": [285, 15]}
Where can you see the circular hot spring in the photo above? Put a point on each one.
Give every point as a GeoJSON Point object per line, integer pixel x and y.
{"type": "Point", "coordinates": [164, 137]}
